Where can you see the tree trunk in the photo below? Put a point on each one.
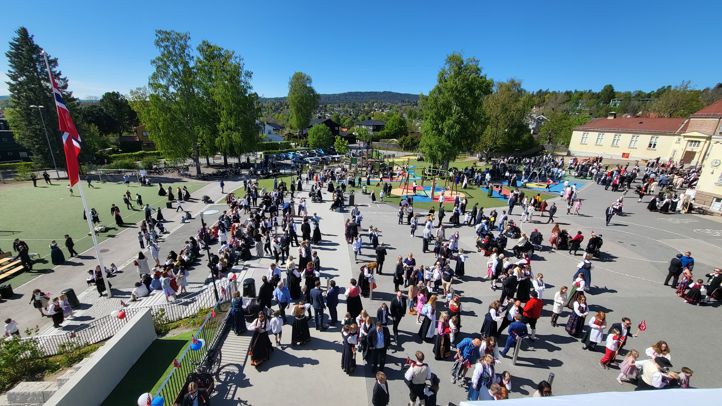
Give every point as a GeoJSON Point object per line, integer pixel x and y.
{"type": "Point", "coordinates": [225, 160]}
{"type": "Point", "coordinates": [197, 159]}
{"type": "Point", "coordinates": [208, 161]}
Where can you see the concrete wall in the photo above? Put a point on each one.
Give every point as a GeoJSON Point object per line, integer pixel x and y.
{"type": "Point", "coordinates": [107, 366]}
{"type": "Point", "coordinates": [665, 144]}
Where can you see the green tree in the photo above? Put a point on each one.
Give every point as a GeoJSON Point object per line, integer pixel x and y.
{"type": "Point", "coordinates": [559, 126]}
{"type": "Point", "coordinates": [453, 115]}
{"type": "Point", "coordinates": [169, 108]}
{"type": "Point", "coordinates": [409, 142]}
{"type": "Point", "coordinates": [28, 85]}
{"type": "Point", "coordinates": [363, 134]}
{"type": "Point", "coordinates": [506, 110]}
{"type": "Point", "coordinates": [122, 116]}
{"type": "Point", "coordinates": [607, 94]}
{"type": "Point", "coordinates": [302, 101]}
{"type": "Point", "coordinates": [680, 101]}
{"type": "Point", "coordinates": [320, 136]}
{"type": "Point", "coordinates": [395, 127]}
{"type": "Point", "coordinates": [340, 145]}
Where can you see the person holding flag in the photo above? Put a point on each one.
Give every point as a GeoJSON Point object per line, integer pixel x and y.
{"type": "Point", "coordinates": [625, 331]}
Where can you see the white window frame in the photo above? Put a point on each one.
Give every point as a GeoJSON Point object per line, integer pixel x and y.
{"type": "Point", "coordinates": [585, 138]}
{"type": "Point", "coordinates": [600, 139]}
{"type": "Point", "coordinates": [694, 144]}
{"type": "Point", "coordinates": [653, 140]}
{"type": "Point", "coordinates": [633, 141]}
{"type": "Point", "coordinates": [615, 140]}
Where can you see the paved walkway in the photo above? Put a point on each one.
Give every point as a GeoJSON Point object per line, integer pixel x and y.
{"type": "Point", "coordinates": [120, 250]}
{"type": "Point", "coordinates": [304, 375]}
{"type": "Point", "coordinates": [627, 283]}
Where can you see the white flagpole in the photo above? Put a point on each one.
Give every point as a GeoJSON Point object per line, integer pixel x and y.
{"type": "Point", "coordinates": [88, 216]}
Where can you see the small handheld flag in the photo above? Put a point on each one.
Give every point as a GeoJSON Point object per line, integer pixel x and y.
{"type": "Point", "coordinates": [642, 325]}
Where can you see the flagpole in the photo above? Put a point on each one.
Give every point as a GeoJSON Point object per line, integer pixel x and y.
{"type": "Point", "coordinates": [88, 215]}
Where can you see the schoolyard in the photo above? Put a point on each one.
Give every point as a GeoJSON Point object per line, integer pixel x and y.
{"type": "Point", "coordinates": [44, 213]}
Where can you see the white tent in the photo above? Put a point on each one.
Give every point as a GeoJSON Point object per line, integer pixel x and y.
{"type": "Point", "coordinates": [660, 397]}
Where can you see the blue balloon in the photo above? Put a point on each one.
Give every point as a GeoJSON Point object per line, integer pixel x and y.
{"type": "Point", "coordinates": [158, 401]}
{"type": "Point", "coordinates": [196, 346]}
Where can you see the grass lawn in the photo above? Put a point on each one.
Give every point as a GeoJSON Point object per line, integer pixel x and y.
{"type": "Point", "coordinates": [150, 370]}
{"type": "Point", "coordinates": [41, 214]}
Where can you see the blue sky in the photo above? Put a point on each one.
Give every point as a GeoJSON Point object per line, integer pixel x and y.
{"type": "Point", "coordinates": [396, 45]}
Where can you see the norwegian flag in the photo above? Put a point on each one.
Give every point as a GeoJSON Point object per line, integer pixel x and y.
{"type": "Point", "coordinates": [71, 138]}
{"type": "Point", "coordinates": [642, 325]}
{"type": "Point", "coordinates": [176, 364]}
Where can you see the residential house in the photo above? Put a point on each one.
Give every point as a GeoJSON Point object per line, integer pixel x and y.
{"type": "Point", "coordinates": [373, 126]}
{"type": "Point", "coordinates": [332, 125]}
{"type": "Point", "coordinates": [272, 131]}
{"type": "Point", "coordinates": [10, 150]}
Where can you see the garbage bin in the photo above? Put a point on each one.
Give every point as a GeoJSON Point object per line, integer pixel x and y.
{"type": "Point", "coordinates": [249, 287]}
{"type": "Point", "coordinates": [351, 199]}
{"type": "Point", "coordinates": [6, 291]}
{"type": "Point", "coordinates": [72, 298]}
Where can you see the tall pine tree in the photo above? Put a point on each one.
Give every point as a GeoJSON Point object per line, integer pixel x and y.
{"type": "Point", "coordinates": [29, 85]}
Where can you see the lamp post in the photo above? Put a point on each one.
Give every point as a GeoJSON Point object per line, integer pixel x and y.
{"type": "Point", "coordinates": [47, 138]}
{"type": "Point", "coordinates": [208, 251]}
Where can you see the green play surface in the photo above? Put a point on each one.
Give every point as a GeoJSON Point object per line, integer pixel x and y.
{"type": "Point", "coordinates": [41, 214]}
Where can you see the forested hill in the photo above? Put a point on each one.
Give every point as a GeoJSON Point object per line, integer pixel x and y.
{"type": "Point", "coordinates": [361, 97]}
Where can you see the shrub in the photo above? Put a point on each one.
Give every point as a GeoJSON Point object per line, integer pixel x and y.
{"type": "Point", "coordinates": [148, 162]}
{"type": "Point", "coordinates": [20, 360]}
{"type": "Point", "coordinates": [123, 164]}
{"type": "Point", "coordinates": [16, 165]}
{"type": "Point", "coordinates": [23, 173]}
{"type": "Point", "coordinates": [135, 156]}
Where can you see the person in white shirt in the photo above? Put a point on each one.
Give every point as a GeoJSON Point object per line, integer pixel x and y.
{"type": "Point", "coordinates": [277, 326]}
{"type": "Point", "coordinates": [11, 328]}
{"type": "Point", "coordinates": [139, 291]}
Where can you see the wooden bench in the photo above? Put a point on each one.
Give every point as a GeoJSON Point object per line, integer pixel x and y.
{"type": "Point", "coordinates": [8, 267]}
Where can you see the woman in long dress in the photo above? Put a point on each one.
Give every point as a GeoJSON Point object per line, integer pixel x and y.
{"type": "Point", "coordinates": [442, 343]}
{"type": "Point", "coordinates": [239, 321]}
{"type": "Point", "coordinates": [294, 283]}
{"type": "Point", "coordinates": [349, 335]}
{"type": "Point", "coordinates": [575, 323]}
{"type": "Point", "coordinates": [353, 299]}
{"type": "Point", "coordinates": [525, 285]}
{"type": "Point", "coordinates": [595, 334]}
{"type": "Point", "coordinates": [577, 289]}
{"type": "Point", "coordinates": [428, 325]}
{"type": "Point", "coordinates": [165, 283]}
{"type": "Point", "coordinates": [316, 237]}
{"type": "Point", "coordinates": [491, 321]}
{"type": "Point", "coordinates": [299, 332]}
{"type": "Point", "coordinates": [260, 348]}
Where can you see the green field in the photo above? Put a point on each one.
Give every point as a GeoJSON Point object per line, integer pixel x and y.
{"type": "Point", "coordinates": [151, 369]}
{"type": "Point", "coordinates": [41, 214]}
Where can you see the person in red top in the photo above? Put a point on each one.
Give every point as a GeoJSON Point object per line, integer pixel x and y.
{"type": "Point", "coordinates": [576, 242]}
{"type": "Point", "coordinates": [532, 312]}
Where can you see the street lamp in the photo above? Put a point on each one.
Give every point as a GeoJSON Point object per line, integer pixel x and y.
{"type": "Point", "coordinates": [42, 119]}
{"type": "Point", "coordinates": [208, 251]}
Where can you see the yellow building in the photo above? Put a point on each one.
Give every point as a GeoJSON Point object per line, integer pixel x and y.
{"type": "Point", "coordinates": [708, 123]}
{"type": "Point", "coordinates": [633, 138]}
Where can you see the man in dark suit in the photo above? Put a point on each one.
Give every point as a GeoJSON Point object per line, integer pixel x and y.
{"type": "Point", "coordinates": [318, 303]}
{"type": "Point", "coordinates": [397, 310]}
{"type": "Point", "coordinates": [378, 342]}
{"type": "Point", "coordinates": [625, 330]}
{"type": "Point", "coordinates": [70, 245]}
{"type": "Point", "coordinates": [674, 270]}
{"type": "Point", "coordinates": [332, 301]}
{"type": "Point", "coordinates": [381, 256]}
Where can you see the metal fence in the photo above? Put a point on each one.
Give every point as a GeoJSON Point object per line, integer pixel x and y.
{"type": "Point", "coordinates": [107, 326]}
{"type": "Point", "coordinates": [211, 332]}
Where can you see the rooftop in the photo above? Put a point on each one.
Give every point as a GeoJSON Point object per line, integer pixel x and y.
{"type": "Point", "coordinates": [635, 125]}
{"type": "Point", "coordinates": [372, 122]}
{"type": "Point", "coordinates": [714, 110]}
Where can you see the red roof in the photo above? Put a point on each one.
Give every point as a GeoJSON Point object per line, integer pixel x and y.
{"type": "Point", "coordinates": [713, 110]}
{"type": "Point", "coordinates": [634, 125]}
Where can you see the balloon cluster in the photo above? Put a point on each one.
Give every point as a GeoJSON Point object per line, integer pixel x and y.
{"type": "Point", "coordinates": [147, 400]}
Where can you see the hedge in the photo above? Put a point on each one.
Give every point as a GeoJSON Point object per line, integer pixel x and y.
{"type": "Point", "coordinates": [136, 156]}
{"type": "Point", "coordinates": [16, 165]}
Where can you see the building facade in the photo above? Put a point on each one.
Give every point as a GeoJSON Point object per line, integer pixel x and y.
{"type": "Point", "coordinates": [632, 138]}
{"type": "Point", "coordinates": [709, 186]}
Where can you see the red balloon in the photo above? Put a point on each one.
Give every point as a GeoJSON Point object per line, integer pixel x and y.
{"type": "Point", "coordinates": [121, 314]}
